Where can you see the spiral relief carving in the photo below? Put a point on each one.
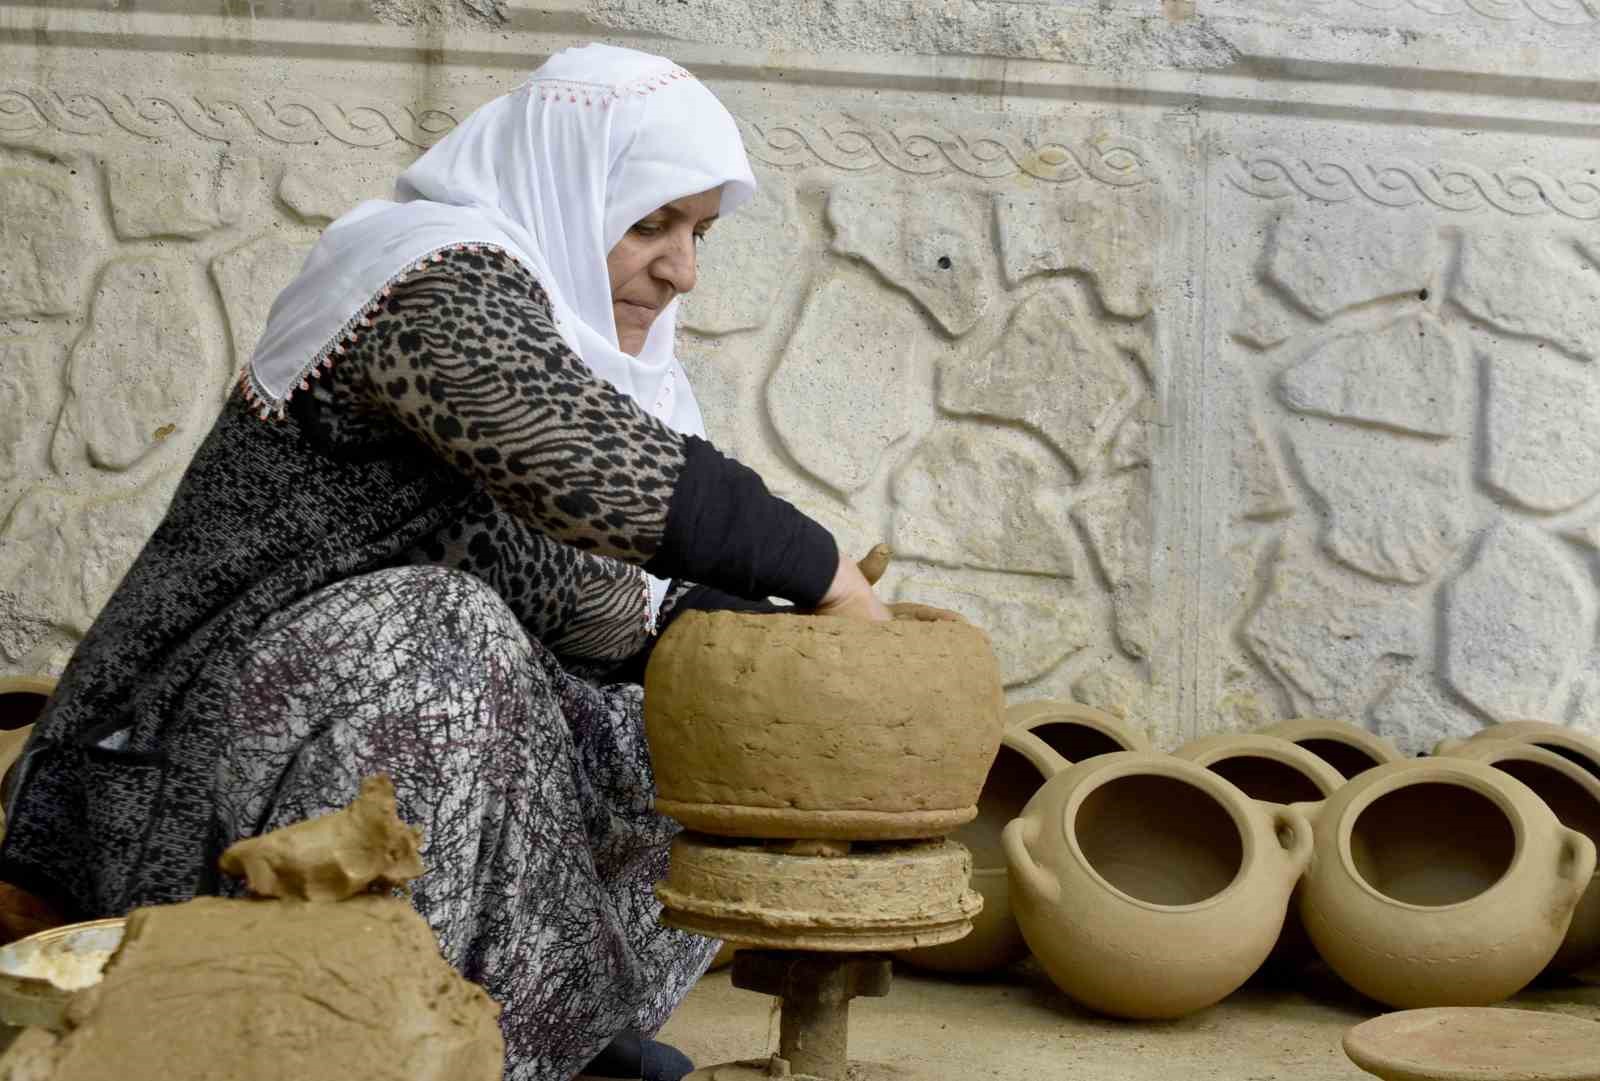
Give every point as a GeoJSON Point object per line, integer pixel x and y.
{"type": "Point", "coordinates": [1272, 173]}
{"type": "Point", "coordinates": [855, 144]}
{"type": "Point", "coordinates": [284, 119]}
{"type": "Point", "coordinates": [1558, 12]}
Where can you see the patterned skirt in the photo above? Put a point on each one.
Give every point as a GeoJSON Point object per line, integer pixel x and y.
{"type": "Point", "coordinates": [532, 789]}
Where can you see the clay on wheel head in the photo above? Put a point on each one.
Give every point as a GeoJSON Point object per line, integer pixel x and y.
{"type": "Point", "coordinates": [815, 726]}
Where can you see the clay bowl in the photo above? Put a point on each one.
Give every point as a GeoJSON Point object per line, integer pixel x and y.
{"type": "Point", "coordinates": [1023, 764]}
{"type": "Point", "coordinates": [1574, 795]}
{"type": "Point", "coordinates": [1560, 739]}
{"type": "Point", "coordinates": [1272, 770]}
{"type": "Point", "coordinates": [1440, 882]}
{"type": "Point", "coordinates": [1148, 886]}
{"type": "Point", "coordinates": [1076, 732]}
{"type": "Point", "coordinates": [1348, 748]}
{"type": "Point", "coordinates": [74, 954]}
{"type": "Point", "coordinates": [784, 726]}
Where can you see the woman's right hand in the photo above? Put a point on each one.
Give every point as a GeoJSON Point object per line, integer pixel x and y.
{"type": "Point", "coordinates": [851, 596]}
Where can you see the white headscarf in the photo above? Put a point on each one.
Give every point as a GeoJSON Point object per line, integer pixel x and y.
{"type": "Point", "coordinates": [555, 173]}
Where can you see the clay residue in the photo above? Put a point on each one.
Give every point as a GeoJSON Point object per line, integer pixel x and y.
{"type": "Point", "coordinates": [332, 857]}
{"type": "Point", "coordinates": [264, 990]}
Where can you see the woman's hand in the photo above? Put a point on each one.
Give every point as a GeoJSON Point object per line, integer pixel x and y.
{"type": "Point", "coordinates": [851, 594]}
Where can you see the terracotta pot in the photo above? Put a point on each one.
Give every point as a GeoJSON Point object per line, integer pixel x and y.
{"type": "Point", "coordinates": [1149, 887]}
{"type": "Point", "coordinates": [1561, 739]}
{"type": "Point", "coordinates": [1272, 770]}
{"type": "Point", "coordinates": [1574, 795]}
{"type": "Point", "coordinates": [1023, 765]}
{"type": "Point", "coordinates": [1441, 882]}
{"type": "Point", "coordinates": [1076, 732]}
{"type": "Point", "coordinates": [819, 727]}
{"type": "Point", "coordinates": [1348, 748]}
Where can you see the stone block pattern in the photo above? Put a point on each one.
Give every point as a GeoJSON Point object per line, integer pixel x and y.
{"type": "Point", "coordinates": [1420, 404]}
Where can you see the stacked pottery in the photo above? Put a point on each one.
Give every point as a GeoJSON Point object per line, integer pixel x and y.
{"type": "Point", "coordinates": [1041, 739]}
{"type": "Point", "coordinates": [1148, 886]}
{"type": "Point", "coordinates": [1569, 743]}
{"type": "Point", "coordinates": [1441, 882]}
{"type": "Point", "coordinates": [1271, 770]}
{"type": "Point", "coordinates": [1573, 794]}
{"type": "Point", "coordinates": [1348, 748]}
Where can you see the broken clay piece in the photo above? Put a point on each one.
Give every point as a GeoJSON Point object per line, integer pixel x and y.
{"type": "Point", "coordinates": [1440, 882]}
{"type": "Point", "coordinates": [334, 856]}
{"type": "Point", "coordinates": [1348, 748]}
{"type": "Point", "coordinates": [1075, 731]}
{"type": "Point", "coordinates": [1573, 793]}
{"type": "Point", "coordinates": [794, 727]}
{"type": "Point", "coordinates": [262, 990]}
{"type": "Point", "coordinates": [1024, 763]}
{"type": "Point", "coordinates": [1148, 886]}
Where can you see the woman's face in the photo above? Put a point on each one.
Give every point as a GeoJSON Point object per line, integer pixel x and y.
{"type": "Point", "coordinates": [655, 261]}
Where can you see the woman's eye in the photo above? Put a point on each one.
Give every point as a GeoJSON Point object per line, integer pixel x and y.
{"type": "Point", "coordinates": [646, 228]}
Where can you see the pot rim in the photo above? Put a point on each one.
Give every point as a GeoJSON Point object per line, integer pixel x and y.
{"type": "Point", "coordinates": [1273, 748]}
{"type": "Point", "coordinates": [1026, 716]}
{"type": "Point", "coordinates": [1540, 734]}
{"type": "Point", "coordinates": [1295, 729]}
{"type": "Point", "coordinates": [1460, 772]}
{"type": "Point", "coordinates": [1117, 765]}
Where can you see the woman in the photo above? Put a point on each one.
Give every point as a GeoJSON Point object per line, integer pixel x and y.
{"type": "Point", "coordinates": [427, 538]}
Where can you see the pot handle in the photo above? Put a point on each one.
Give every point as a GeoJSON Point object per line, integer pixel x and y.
{"type": "Point", "coordinates": [1043, 757]}
{"type": "Point", "coordinates": [1577, 861]}
{"type": "Point", "coordinates": [1293, 828]}
{"type": "Point", "coordinates": [1014, 840]}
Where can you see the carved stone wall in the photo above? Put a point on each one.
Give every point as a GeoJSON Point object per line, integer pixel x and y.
{"type": "Point", "coordinates": [1226, 359]}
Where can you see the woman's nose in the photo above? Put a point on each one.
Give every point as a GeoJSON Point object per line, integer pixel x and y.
{"type": "Point", "coordinates": [676, 266]}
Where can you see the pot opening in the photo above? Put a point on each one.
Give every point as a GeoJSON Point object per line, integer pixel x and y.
{"type": "Point", "coordinates": [1159, 839]}
{"type": "Point", "coordinates": [1571, 802]}
{"type": "Point", "coordinates": [20, 709]}
{"type": "Point", "coordinates": [1347, 758]}
{"type": "Point", "coordinates": [1267, 779]}
{"type": "Point", "coordinates": [1011, 783]}
{"type": "Point", "coordinates": [1576, 757]}
{"type": "Point", "coordinates": [1432, 844]}
{"type": "Point", "coordinates": [1075, 742]}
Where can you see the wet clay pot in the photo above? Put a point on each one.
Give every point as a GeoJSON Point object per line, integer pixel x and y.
{"type": "Point", "coordinates": [1564, 740]}
{"type": "Point", "coordinates": [1074, 731]}
{"type": "Point", "coordinates": [1348, 748]}
{"type": "Point", "coordinates": [787, 726]}
{"type": "Point", "coordinates": [1272, 770]}
{"type": "Point", "coordinates": [1440, 882]}
{"type": "Point", "coordinates": [1022, 766]}
{"type": "Point", "coordinates": [1574, 795]}
{"type": "Point", "coordinates": [1148, 886]}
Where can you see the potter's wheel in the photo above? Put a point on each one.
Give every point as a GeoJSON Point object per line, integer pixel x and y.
{"type": "Point", "coordinates": [813, 920]}
{"type": "Point", "coordinates": [1464, 1043]}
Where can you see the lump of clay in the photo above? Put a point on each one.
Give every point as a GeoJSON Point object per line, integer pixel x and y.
{"type": "Point", "coordinates": [334, 856]}
{"type": "Point", "coordinates": [261, 990]}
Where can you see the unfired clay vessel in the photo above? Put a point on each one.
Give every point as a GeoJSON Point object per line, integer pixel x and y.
{"type": "Point", "coordinates": [1273, 770]}
{"type": "Point", "coordinates": [1023, 765]}
{"type": "Point", "coordinates": [22, 699]}
{"type": "Point", "coordinates": [1149, 887]}
{"type": "Point", "coordinates": [820, 727]}
{"type": "Point", "coordinates": [1574, 795]}
{"type": "Point", "coordinates": [1440, 882]}
{"type": "Point", "coordinates": [1348, 748]}
{"type": "Point", "coordinates": [1468, 1043]}
{"type": "Point", "coordinates": [1560, 739]}
{"type": "Point", "coordinates": [1074, 731]}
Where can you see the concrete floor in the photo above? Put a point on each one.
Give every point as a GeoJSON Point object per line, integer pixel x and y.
{"type": "Point", "coordinates": [1019, 1027]}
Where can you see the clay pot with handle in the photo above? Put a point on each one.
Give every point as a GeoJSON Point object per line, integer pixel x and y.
{"type": "Point", "coordinates": [1272, 770]}
{"type": "Point", "coordinates": [1564, 740]}
{"type": "Point", "coordinates": [1440, 882]}
{"type": "Point", "coordinates": [1348, 748]}
{"type": "Point", "coordinates": [1148, 886]}
{"type": "Point", "coordinates": [1023, 765]}
{"type": "Point", "coordinates": [1574, 795]}
{"type": "Point", "coordinates": [1074, 731]}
